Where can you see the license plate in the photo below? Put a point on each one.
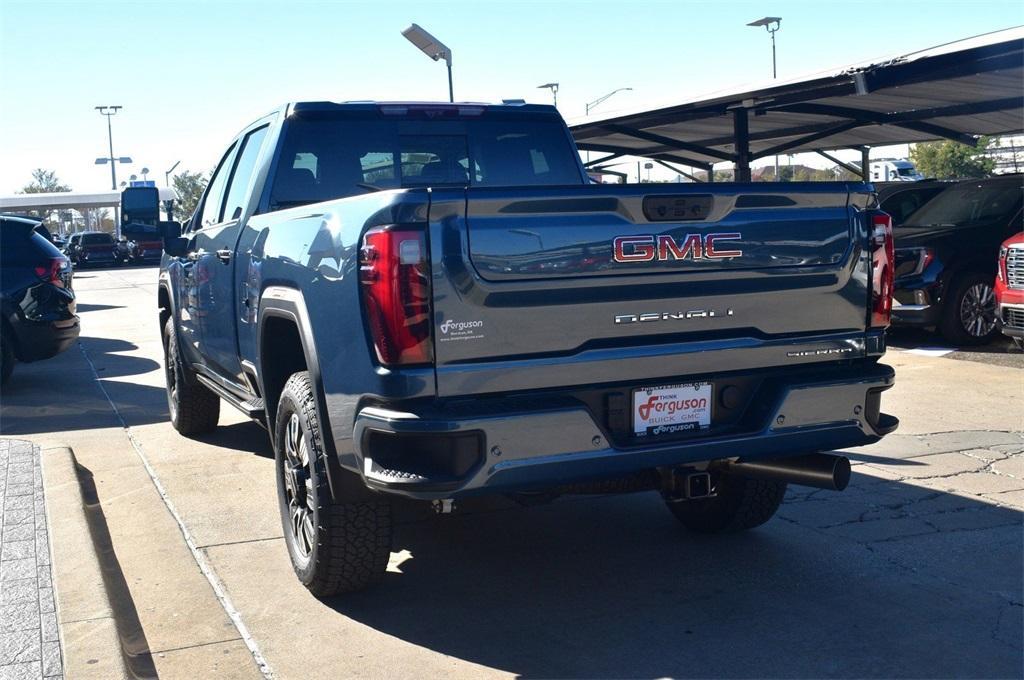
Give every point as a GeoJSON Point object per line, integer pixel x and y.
{"type": "Point", "coordinates": [671, 408]}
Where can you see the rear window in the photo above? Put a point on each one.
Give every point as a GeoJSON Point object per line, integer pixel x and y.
{"type": "Point", "coordinates": [97, 239]}
{"type": "Point", "coordinates": [327, 158]}
{"type": "Point", "coordinates": [20, 244]}
{"type": "Point", "coordinates": [970, 203]}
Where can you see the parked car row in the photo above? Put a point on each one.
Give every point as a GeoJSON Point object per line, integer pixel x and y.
{"type": "Point", "coordinates": [946, 252]}
{"type": "Point", "coordinates": [37, 302]}
{"type": "Point", "coordinates": [98, 248]}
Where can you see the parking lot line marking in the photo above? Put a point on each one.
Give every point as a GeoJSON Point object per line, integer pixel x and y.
{"type": "Point", "coordinates": [204, 566]}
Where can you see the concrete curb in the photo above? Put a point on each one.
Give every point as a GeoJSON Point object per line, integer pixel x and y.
{"type": "Point", "coordinates": [85, 616]}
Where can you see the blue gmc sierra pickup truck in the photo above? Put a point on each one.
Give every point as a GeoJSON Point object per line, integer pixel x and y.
{"type": "Point", "coordinates": [434, 301]}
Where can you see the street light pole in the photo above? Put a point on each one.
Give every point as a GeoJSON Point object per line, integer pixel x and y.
{"type": "Point", "coordinates": [771, 24]}
{"type": "Point", "coordinates": [554, 91]}
{"type": "Point", "coordinates": [110, 140]}
{"type": "Point", "coordinates": [433, 48]}
{"type": "Point", "coordinates": [591, 105]}
{"type": "Point", "coordinates": [167, 174]}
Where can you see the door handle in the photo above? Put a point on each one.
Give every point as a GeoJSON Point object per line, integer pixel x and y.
{"type": "Point", "coordinates": [224, 255]}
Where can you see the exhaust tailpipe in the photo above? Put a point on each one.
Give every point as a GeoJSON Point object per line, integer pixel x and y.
{"type": "Point", "coordinates": [820, 470]}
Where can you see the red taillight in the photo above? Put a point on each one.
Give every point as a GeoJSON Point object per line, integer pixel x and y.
{"type": "Point", "coordinates": [395, 279]}
{"type": "Point", "coordinates": [53, 271]}
{"type": "Point", "coordinates": [882, 269]}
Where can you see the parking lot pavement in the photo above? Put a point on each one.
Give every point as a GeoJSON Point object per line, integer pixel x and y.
{"type": "Point", "coordinates": [915, 570]}
{"type": "Point", "coordinates": [999, 352]}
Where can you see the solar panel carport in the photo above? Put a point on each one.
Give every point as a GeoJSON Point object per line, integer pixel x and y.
{"type": "Point", "coordinates": [956, 91]}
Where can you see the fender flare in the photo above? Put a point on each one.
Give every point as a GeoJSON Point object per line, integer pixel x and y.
{"type": "Point", "coordinates": [288, 303]}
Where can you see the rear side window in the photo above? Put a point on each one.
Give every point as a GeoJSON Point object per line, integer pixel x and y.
{"type": "Point", "coordinates": [325, 158]}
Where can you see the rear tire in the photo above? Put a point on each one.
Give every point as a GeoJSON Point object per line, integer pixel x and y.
{"type": "Point", "coordinates": [740, 504]}
{"type": "Point", "coordinates": [6, 358]}
{"type": "Point", "coordinates": [193, 408]}
{"type": "Point", "coordinates": [969, 312]}
{"type": "Point", "coordinates": [335, 546]}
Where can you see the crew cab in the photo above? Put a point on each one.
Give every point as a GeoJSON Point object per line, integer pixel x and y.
{"type": "Point", "coordinates": [432, 301]}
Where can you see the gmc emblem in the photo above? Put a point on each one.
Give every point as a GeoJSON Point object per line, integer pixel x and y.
{"type": "Point", "coordinates": [664, 247]}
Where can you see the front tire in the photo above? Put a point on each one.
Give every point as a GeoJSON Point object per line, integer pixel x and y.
{"type": "Point", "coordinates": [739, 504]}
{"type": "Point", "coordinates": [335, 546]}
{"type": "Point", "coordinates": [193, 408]}
{"type": "Point", "coordinates": [969, 314]}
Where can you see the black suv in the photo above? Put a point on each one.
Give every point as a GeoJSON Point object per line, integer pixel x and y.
{"type": "Point", "coordinates": [946, 258]}
{"type": "Point", "coordinates": [36, 299]}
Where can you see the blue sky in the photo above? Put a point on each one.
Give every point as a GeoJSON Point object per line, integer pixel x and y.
{"type": "Point", "coordinates": [190, 74]}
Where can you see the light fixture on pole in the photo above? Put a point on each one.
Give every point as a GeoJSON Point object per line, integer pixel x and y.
{"type": "Point", "coordinates": [771, 24]}
{"type": "Point", "coordinates": [591, 105]}
{"type": "Point", "coordinates": [433, 48]}
{"type": "Point", "coordinates": [554, 91]}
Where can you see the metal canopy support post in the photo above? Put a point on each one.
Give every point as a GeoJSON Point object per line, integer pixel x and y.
{"type": "Point", "coordinates": [673, 168]}
{"type": "Point", "coordinates": [846, 166]}
{"type": "Point", "coordinates": [741, 132]}
{"type": "Point", "coordinates": [668, 142]}
{"type": "Point", "coordinates": [602, 159]}
{"type": "Point", "coordinates": [865, 163]}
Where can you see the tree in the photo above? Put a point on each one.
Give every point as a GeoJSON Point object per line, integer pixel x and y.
{"type": "Point", "coordinates": [952, 160]}
{"type": "Point", "coordinates": [190, 187]}
{"type": "Point", "coordinates": [46, 182]}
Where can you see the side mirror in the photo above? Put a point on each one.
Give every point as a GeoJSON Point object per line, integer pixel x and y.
{"type": "Point", "coordinates": [174, 244]}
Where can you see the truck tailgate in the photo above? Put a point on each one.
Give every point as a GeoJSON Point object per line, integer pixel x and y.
{"type": "Point", "coordinates": [544, 287]}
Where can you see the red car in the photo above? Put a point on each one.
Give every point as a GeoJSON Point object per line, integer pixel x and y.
{"type": "Point", "coordinates": [1010, 289]}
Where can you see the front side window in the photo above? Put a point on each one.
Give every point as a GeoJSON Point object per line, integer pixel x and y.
{"type": "Point", "coordinates": [239, 187]}
{"type": "Point", "coordinates": [213, 201]}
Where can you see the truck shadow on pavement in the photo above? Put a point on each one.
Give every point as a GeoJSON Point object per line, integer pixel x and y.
{"type": "Point", "coordinates": [886, 579]}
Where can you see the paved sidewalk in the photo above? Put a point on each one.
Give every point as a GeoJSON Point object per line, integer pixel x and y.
{"type": "Point", "coordinates": [29, 645]}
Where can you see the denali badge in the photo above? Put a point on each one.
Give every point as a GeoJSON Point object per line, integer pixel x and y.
{"type": "Point", "coordinates": [670, 316]}
{"type": "Point", "coordinates": [664, 247]}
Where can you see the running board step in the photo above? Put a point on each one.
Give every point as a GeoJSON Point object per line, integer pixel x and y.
{"type": "Point", "coordinates": [253, 407]}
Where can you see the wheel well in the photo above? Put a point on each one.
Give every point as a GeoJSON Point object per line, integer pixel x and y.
{"type": "Point", "coordinates": [281, 355]}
